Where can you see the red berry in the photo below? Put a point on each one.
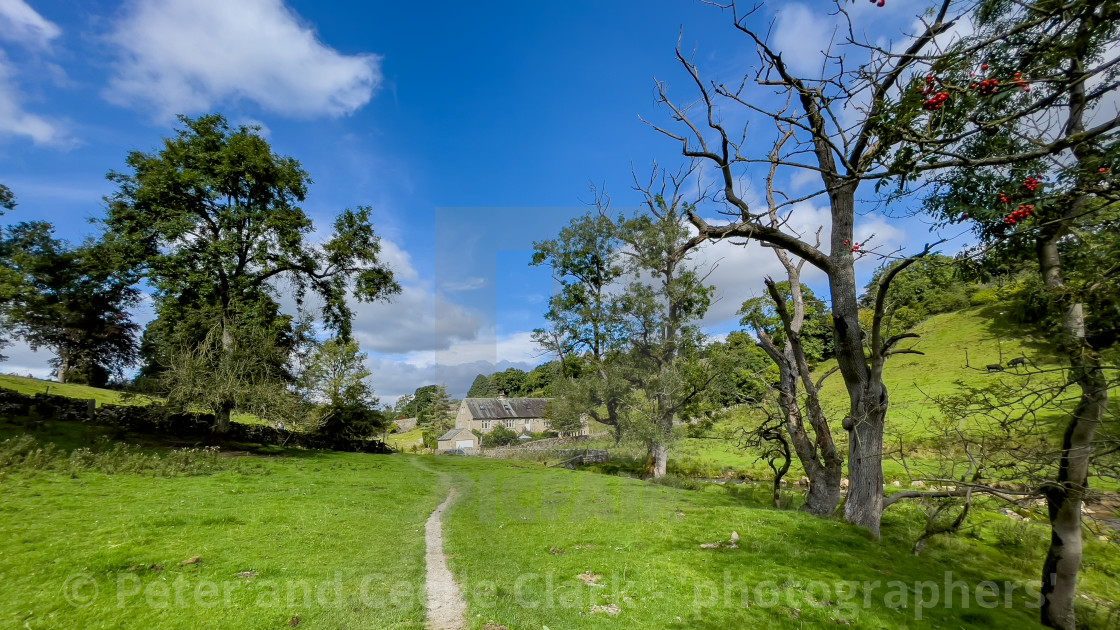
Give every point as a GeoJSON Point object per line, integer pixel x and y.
{"type": "Point", "coordinates": [1103, 170]}
{"type": "Point", "coordinates": [984, 67]}
{"type": "Point", "coordinates": [881, 2]}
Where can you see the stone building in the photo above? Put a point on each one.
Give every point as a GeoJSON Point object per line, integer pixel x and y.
{"type": "Point", "coordinates": [520, 415]}
{"type": "Point", "coordinates": [463, 439]}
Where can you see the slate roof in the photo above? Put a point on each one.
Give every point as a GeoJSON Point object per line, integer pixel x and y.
{"type": "Point", "coordinates": [453, 433]}
{"type": "Point", "coordinates": [502, 408]}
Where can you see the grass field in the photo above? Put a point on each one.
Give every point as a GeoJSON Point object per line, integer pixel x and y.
{"type": "Point", "coordinates": [336, 539]}
{"type": "Point", "coordinates": [333, 540]}
{"type": "Point", "coordinates": [25, 385]}
{"type": "Point", "coordinates": [325, 537]}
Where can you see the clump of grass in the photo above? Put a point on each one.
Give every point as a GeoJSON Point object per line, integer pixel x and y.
{"type": "Point", "coordinates": [24, 454]}
{"type": "Point", "coordinates": [1016, 536]}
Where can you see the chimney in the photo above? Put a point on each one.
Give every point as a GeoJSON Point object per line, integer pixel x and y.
{"type": "Point", "coordinates": [502, 395]}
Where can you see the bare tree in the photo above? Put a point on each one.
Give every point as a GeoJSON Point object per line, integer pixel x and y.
{"type": "Point", "coordinates": [864, 119]}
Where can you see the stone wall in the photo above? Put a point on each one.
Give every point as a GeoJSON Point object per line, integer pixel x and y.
{"type": "Point", "coordinates": [160, 420]}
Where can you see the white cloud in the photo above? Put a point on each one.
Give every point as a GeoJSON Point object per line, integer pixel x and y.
{"type": "Point", "coordinates": [15, 121]}
{"type": "Point", "coordinates": [188, 55]}
{"type": "Point", "coordinates": [801, 34]}
{"type": "Point", "coordinates": [22, 24]}
{"type": "Point", "coordinates": [740, 269]}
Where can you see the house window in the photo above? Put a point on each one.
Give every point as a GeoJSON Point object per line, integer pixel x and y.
{"type": "Point", "coordinates": [509, 424]}
{"type": "Point", "coordinates": [485, 424]}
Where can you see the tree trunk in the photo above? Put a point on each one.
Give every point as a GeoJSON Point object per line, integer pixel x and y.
{"type": "Point", "coordinates": [868, 400]}
{"type": "Point", "coordinates": [222, 419]}
{"type": "Point", "coordinates": [824, 490]}
{"type": "Point", "coordinates": [63, 373]}
{"type": "Point", "coordinates": [1064, 498]}
{"type": "Point", "coordinates": [1065, 495]}
{"type": "Point", "coordinates": [659, 453]}
{"type": "Point", "coordinates": [864, 506]}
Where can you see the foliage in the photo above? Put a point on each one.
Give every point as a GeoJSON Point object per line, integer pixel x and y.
{"type": "Point", "coordinates": [70, 300]}
{"type": "Point", "coordinates": [419, 402]}
{"type": "Point", "coordinates": [437, 417]}
{"type": "Point", "coordinates": [928, 286]}
{"type": "Point", "coordinates": [816, 333]}
{"type": "Point", "coordinates": [336, 379]}
{"type": "Point", "coordinates": [499, 436]}
{"type": "Point", "coordinates": [740, 370]}
{"type": "Point", "coordinates": [212, 222]}
{"type": "Point", "coordinates": [7, 199]}
{"type": "Point", "coordinates": [248, 376]}
{"type": "Point", "coordinates": [24, 454]}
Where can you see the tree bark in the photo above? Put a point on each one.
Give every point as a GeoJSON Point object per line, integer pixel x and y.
{"type": "Point", "coordinates": [1065, 495]}
{"type": "Point", "coordinates": [867, 396]}
{"type": "Point", "coordinates": [659, 453]}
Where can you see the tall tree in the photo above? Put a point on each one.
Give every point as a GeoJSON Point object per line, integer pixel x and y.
{"type": "Point", "coordinates": [663, 305]}
{"type": "Point", "coordinates": [7, 199]}
{"type": "Point", "coordinates": [905, 128]}
{"type": "Point", "coordinates": [586, 322]}
{"type": "Point", "coordinates": [1059, 59]}
{"type": "Point", "coordinates": [212, 221]}
{"type": "Point", "coordinates": [336, 378]}
{"type": "Point", "coordinates": [69, 300]}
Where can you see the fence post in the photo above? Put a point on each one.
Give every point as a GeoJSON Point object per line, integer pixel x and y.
{"type": "Point", "coordinates": [91, 409]}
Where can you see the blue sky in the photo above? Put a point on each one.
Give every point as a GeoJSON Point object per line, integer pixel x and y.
{"type": "Point", "coordinates": [472, 129]}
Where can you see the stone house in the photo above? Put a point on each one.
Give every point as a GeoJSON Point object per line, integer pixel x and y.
{"type": "Point", "coordinates": [457, 438]}
{"type": "Point", "coordinates": [520, 415]}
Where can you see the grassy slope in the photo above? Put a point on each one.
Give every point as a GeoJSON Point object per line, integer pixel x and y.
{"type": "Point", "coordinates": [403, 441]}
{"type": "Point", "coordinates": [26, 385]}
{"type": "Point", "coordinates": [910, 379]}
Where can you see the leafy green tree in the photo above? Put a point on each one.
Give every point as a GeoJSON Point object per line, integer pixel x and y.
{"type": "Point", "coordinates": [212, 220]}
{"type": "Point", "coordinates": [250, 375]}
{"type": "Point", "coordinates": [480, 388]}
{"type": "Point", "coordinates": [437, 416]}
{"type": "Point", "coordinates": [539, 380]}
{"type": "Point", "coordinates": [1061, 211]}
{"type": "Point", "coordinates": [816, 330]}
{"type": "Point", "coordinates": [7, 199]}
{"type": "Point", "coordinates": [663, 305]}
{"type": "Point", "coordinates": [586, 325]}
{"type": "Point", "coordinates": [336, 378]}
{"type": "Point", "coordinates": [740, 370]}
{"type": "Point", "coordinates": [67, 300]}
{"type": "Point", "coordinates": [499, 436]}
{"type": "Point", "coordinates": [510, 381]}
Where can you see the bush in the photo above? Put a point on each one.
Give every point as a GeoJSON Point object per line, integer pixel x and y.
{"type": "Point", "coordinates": [499, 436]}
{"type": "Point", "coordinates": [25, 454]}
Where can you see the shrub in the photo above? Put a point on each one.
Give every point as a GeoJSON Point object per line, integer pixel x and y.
{"type": "Point", "coordinates": [25, 454]}
{"type": "Point", "coordinates": [499, 436]}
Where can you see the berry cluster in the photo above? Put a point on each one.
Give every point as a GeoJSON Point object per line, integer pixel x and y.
{"type": "Point", "coordinates": [1004, 199]}
{"type": "Point", "coordinates": [1019, 82]}
{"type": "Point", "coordinates": [987, 87]}
{"type": "Point", "coordinates": [855, 246]}
{"type": "Point", "coordinates": [1031, 183]}
{"type": "Point", "coordinates": [936, 101]}
{"type": "Point", "coordinates": [1021, 213]}
{"type": "Point", "coordinates": [934, 97]}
